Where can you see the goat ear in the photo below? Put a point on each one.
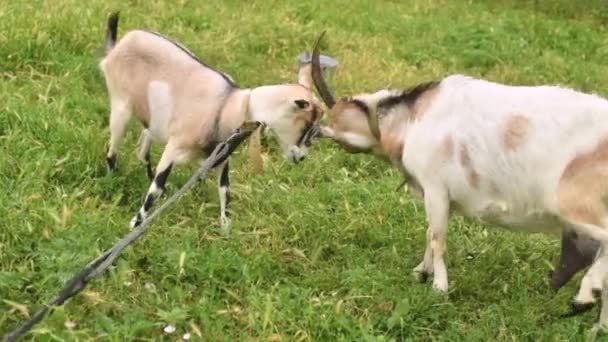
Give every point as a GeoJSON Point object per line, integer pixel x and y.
{"type": "Point", "coordinates": [302, 104]}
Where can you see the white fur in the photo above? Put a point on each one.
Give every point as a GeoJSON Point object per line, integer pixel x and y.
{"type": "Point", "coordinates": [356, 140]}
{"type": "Point", "coordinates": [563, 123]}
{"type": "Point", "coordinates": [517, 189]}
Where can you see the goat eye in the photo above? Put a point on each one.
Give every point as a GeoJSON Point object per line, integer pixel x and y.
{"type": "Point", "coordinates": [301, 103]}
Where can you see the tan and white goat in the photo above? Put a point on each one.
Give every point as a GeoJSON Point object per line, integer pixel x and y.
{"type": "Point", "coordinates": [190, 107]}
{"type": "Point", "coordinates": [532, 159]}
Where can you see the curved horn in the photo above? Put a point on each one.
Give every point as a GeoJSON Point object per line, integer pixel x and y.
{"type": "Point", "coordinates": [317, 76]}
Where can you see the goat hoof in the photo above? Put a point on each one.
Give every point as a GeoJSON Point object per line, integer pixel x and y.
{"type": "Point", "coordinates": [578, 308]}
{"type": "Point", "coordinates": [136, 221]}
{"type": "Point", "coordinates": [422, 273]}
{"type": "Point", "coordinates": [597, 293]}
{"type": "Point", "coordinates": [226, 226]}
{"type": "Point", "coordinates": [596, 330]}
{"type": "Point", "coordinates": [111, 163]}
{"type": "Point", "coordinates": [440, 288]}
{"type": "Point", "coordinates": [421, 276]}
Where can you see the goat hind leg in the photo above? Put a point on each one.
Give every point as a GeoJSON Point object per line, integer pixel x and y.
{"type": "Point", "coordinates": [119, 118]}
{"type": "Point", "coordinates": [592, 282]}
{"type": "Point", "coordinates": [591, 286]}
{"type": "Point", "coordinates": [145, 143]}
{"type": "Point", "coordinates": [169, 158]}
{"type": "Point", "coordinates": [425, 267]}
{"type": "Point", "coordinates": [437, 207]}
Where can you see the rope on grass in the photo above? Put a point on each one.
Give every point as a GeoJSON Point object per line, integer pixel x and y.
{"type": "Point", "coordinates": [96, 267]}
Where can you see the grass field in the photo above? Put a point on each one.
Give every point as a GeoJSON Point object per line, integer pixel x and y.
{"type": "Point", "coordinates": [320, 251]}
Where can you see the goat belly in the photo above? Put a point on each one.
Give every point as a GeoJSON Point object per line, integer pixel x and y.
{"type": "Point", "coordinates": [499, 213]}
{"type": "Point", "coordinates": [160, 106]}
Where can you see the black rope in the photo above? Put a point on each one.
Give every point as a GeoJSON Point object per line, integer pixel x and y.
{"type": "Point", "coordinates": [80, 280]}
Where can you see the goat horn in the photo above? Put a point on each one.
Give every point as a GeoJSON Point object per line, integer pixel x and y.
{"type": "Point", "coordinates": [317, 76]}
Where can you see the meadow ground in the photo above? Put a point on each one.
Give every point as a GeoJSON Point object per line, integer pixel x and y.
{"type": "Point", "coordinates": [320, 251]}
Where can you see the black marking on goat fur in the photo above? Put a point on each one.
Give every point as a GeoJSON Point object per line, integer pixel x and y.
{"type": "Point", "coordinates": [224, 176]}
{"type": "Point", "coordinates": [149, 169]}
{"type": "Point", "coordinates": [407, 97]}
{"type": "Point", "coordinates": [213, 136]}
{"type": "Point", "coordinates": [310, 130]}
{"type": "Point", "coordinates": [210, 146]}
{"type": "Point", "coordinates": [189, 53]}
{"type": "Point", "coordinates": [111, 162]}
{"type": "Point", "coordinates": [161, 178]}
{"type": "Point", "coordinates": [577, 253]}
{"type": "Point", "coordinates": [577, 309]}
{"type": "Point", "coordinates": [111, 32]}
{"type": "Point", "coordinates": [138, 220]}
{"type": "Point", "coordinates": [225, 182]}
{"type": "Point", "coordinates": [305, 136]}
{"type": "Point", "coordinates": [361, 105]}
{"type": "Point", "coordinates": [148, 202]}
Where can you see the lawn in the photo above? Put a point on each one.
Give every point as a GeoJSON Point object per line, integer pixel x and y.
{"type": "Point", "coordinates": [320, 251]}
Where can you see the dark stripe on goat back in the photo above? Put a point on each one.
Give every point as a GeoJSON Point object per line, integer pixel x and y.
{"type": "Point", "coordinates": [361, 105]}
{"type": "Point", "coordinates": [189, 53]}
{"type": "Point", "coordinates": [408, 96]}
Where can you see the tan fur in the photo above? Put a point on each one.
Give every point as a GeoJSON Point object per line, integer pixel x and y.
{"type": "Point", "coordinates": [423, 103]}
{"type": "Point", "coordinates": [189, 107]}
{"type": "Point", "coordinates": [142, 57]}
{"type": "Point", "coordinates": [583, 187]}
{"type": "Point", "coordinates": [514, 132]}
{"type": "Point", "coordinates": [465, 161]}
{"type": "Point", "coordinates": [392, 147]}
{"type": "Point", "coordinates": [305, 76]}
{"type": "Point", "coordinates": [446, 152]}
{"type": "Point", "coordinates": [347, 117]}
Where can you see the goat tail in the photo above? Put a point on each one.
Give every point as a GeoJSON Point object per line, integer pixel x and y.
{"type": "Point", "coordinates": [111, 32]}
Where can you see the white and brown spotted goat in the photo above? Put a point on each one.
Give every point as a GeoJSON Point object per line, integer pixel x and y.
{"type": "Point", "coordinates": [532, 159]}
{"type": "Point", "coordinates": [189, 107]}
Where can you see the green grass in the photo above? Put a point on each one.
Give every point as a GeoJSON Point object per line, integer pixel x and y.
{"type": "Point", "coordinates": [320, 251]}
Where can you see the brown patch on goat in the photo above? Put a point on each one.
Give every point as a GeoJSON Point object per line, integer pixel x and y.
{"type": "Point", "coordinates": [393, 148]}
{"type": "Point", "coordinates": [347, 116]}
{"type": "Point", "coordinates": [583, 186]}
{"type": "Point", "coordinates": [515, 130]}
{"type": "Point", "coordinates": [445, 151]}
{"type": "Point", "coordinates": [474, 179]}
{"type": "Point", "coordinates": [465, 160]}
{"type": "Point", "coordinates": [447, 148]}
